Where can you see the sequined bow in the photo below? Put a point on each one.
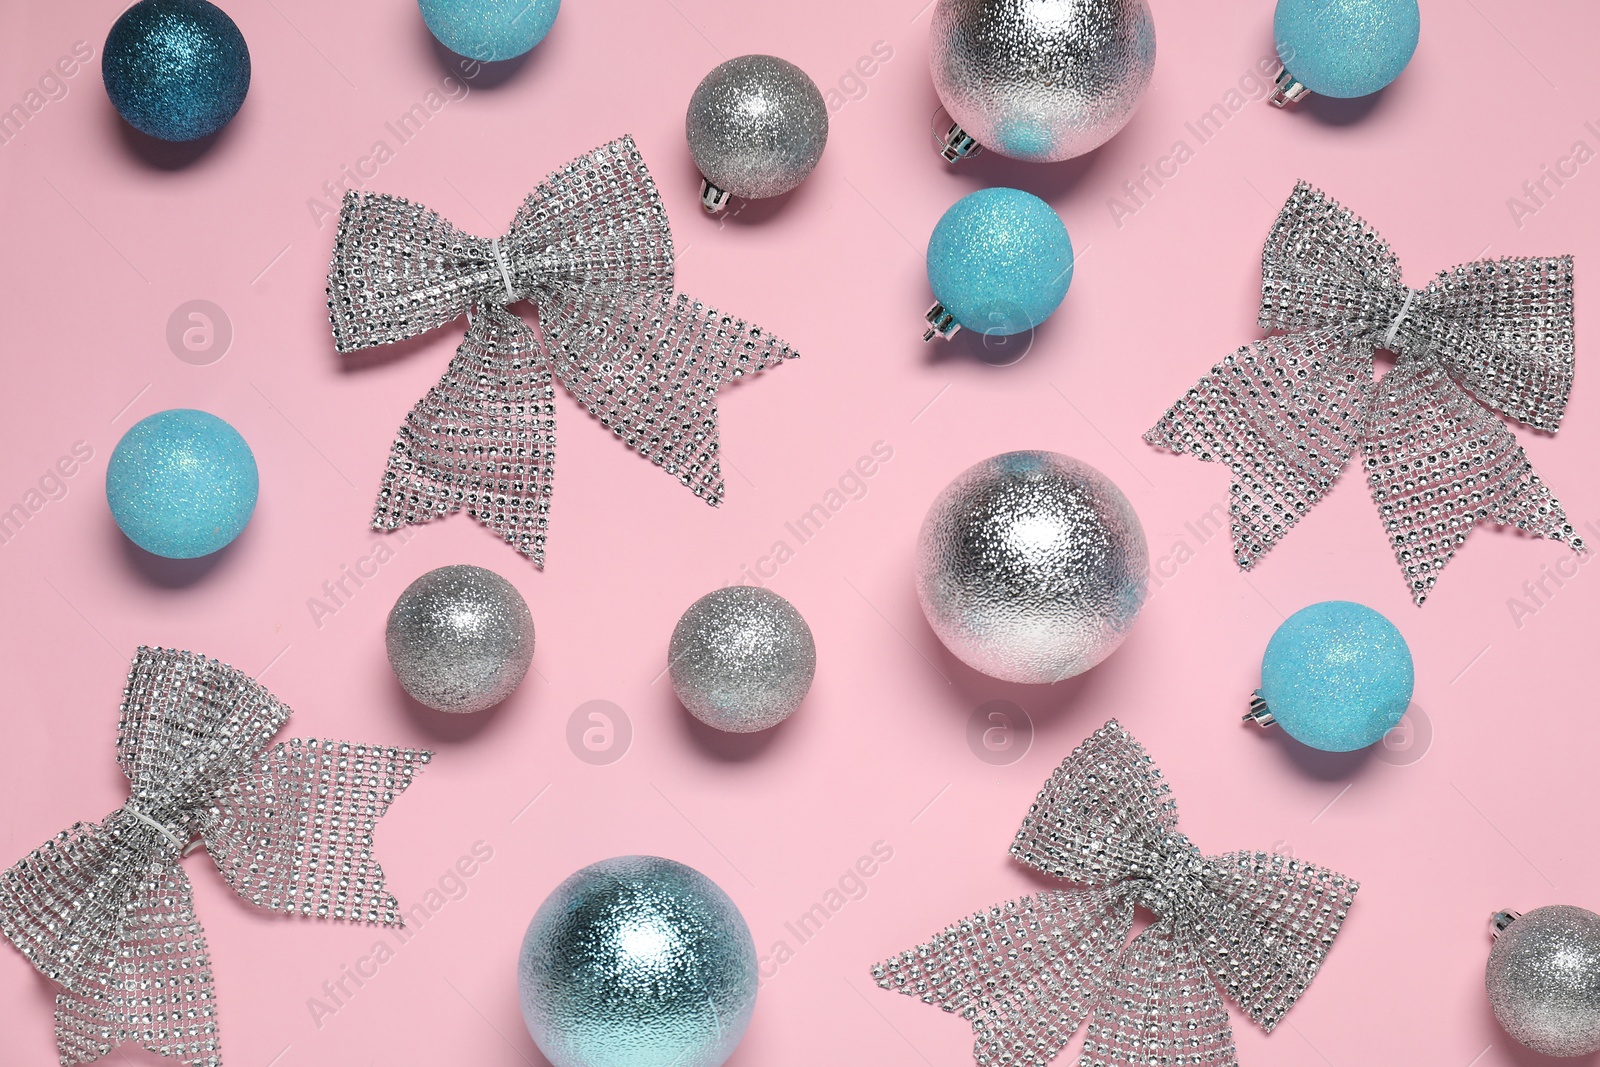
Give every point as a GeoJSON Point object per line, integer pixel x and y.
{"type": "Point", "coordinates": [1285, 413]}
{"type": "Point", "coordinates": [105, 910]}
{"type": "Point", "coordinates": [1028, 972]}
{"type": "Point", "coordinates": [591, 250]}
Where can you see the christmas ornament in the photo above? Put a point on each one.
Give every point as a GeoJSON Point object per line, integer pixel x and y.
{"type": "Point", "coordinates": [999, 262]}
{"type": "Point", "coordinates": [1286, 413]}
{"type": "Point", "coordinates": [590, 248]}
{"type": "Point", "coordinates": [105, 910]}
{"type": "Point", "coordinates": [181, 483]}
{"type": "Point", "coordinates": [1544, 979]}
{"type": "Point", "coordinates": [1028, 972]}
{"type": "Point", "coordinates": [1336, 676]}
{"type": "Point", "coordinates": [757, 126]}
{"type": "Point", "coordinates": [1031, 567]}
{"type": "Point", "coordinates": [741, 659]}
{"type": "Point", "coordinates": [489, 31]}
{"type": "Point", "coordinates": [460, 639]}
{"type": "Point", "coordinates": [177, 70]}
{"type": "Point", "coordinates": [637, 962]}
{"type": "Point", "coordinates": [1040, 80]}
{"type": "Point", "coordinates": [1342, 48]}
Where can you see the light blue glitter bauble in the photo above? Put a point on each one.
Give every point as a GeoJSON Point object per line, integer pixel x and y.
{"type": "Point", "coordinates": [1346, 48]}
{"type": "Point", "coordinates": [177, 70]}
{"type": "Point", "coordinates": [181, 483]}
{"type": "Point", "coordinates": [637, 962]}
{"type": "Point", "coordinates": [1337, 676]}
{"type": "Point", "coordinates": [1000, 261]}
{"type": "Point", "coordinates": [489, 30]}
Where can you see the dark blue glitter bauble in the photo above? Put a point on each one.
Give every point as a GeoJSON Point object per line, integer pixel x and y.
{"type": "Point", "coordinates": [176, 69]}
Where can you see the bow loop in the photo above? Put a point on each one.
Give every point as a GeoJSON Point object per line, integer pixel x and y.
{"type": "Point", "coordinates": [1324, 268]}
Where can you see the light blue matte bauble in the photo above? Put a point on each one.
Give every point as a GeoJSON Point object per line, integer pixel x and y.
{"type": "Point", "coordinates": [1337, 676]}
{"type": "Point", "coordinates": [489, 30]}
{"type": "Point", "coordinates": [1346, 48]}
{"type": "Point", "coordinates": [181, 483]}
{"type": "Point", "coordinates": [637, 962]}
{"type": "Point", "coordinates": [1000, 261]}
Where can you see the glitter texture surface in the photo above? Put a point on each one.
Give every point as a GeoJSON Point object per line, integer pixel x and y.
{"type": "Point", "coordinates": [460, 639]}
{"type": "Point", "coordinates": [1042, 80]}
{"type": "Point", "coordinates": [1543, 979]}
{"type": "Point", "coordinates": [757, 126]}
{"type": "Point", "coordinates": [489, 30]}
{"type": "Point", "coordinates": [177, 70]}
{"type": "Point", "coordinates": [181, 483]}
{"type": "Point", "coordinates": [1027, 973]}
{"type": "Point", "coordinates": [1346, 48]}
{"type": "Point", "coordinates": [106, 911]}
{"type": "Point", "coordinates": [1287, 412]}
{"type": "Point", "coordinates": [1031, 567]}
{"type": "Point", "coordinates": [1337, 676]}
{"type": "Point", "coordinates": [1000, 261]}
{"type": "Point", "coordinates": [741, 659]}
{"type": "Point", "coordinates": [637, 962]}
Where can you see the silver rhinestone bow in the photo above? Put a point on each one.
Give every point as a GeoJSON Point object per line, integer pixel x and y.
{"type": "Point", "coordinates": [105, 910]}
{"type": "Point", "coordinates": [1028, 972]}
{"type": "Point", "coordinates": [1285, 413]}
{"type": "Point", "coordinates": [591, 250]}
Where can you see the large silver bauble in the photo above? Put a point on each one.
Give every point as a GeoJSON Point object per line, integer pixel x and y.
{"type": "Point", "coordinates": [1042, 80]}
{"type": "Point", "coordinates": [741, 659]}
{"type": "Point", "coordinates": [460, 639]}
{"type": "Point", "coordinates": [637, 962]}
{"type": "Point", "coordinates": [1544, 980]}
{"type": "Point", "coordinates": [757, 126]}
{"type": "Point", "coordinates": [1031, 567]}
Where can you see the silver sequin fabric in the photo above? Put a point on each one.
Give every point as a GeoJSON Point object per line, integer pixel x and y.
{"type": "Point", "coordinates": [590, 249]}
{"type": "Point", "coordinates": [1543, 979]}
{"type": "Point", "coordinates": [105, 910]}
{"type": "Point", "coordinates": [460, 639]}
{"type": "Point", "coordinates": [741, 659]}
{"type": "Point", "coordinates": [1026, 974]}
{"type": "Point", "coordinates": [756, 126]}
{"type": "Point", "coordinates": [1286, 413]}
{"type": "Point", "coordinates": [1042, 80]}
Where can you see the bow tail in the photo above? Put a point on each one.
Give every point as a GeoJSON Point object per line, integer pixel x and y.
{"type": "Point", "coordinates": [1284, 414]}
{"type": "Point", "coordinates": [1025, 974]}
{"type": "Point", "coordinates": [1161, 1009]}
{"type": "Point", "coordinates": [482, 439]}
{"type": "Point", "coordinates": [295, 835]}
{"type": "Point", "coordinates": [1438, 463]}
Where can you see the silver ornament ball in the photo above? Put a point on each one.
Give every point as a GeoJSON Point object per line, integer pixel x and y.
{"type": "Point", "coordinates": [460, 639]}
{"type": "Point", "coordinates": [1543, 979]}
{"type": "Point", "coordinates": [1041, 80]}
{"type": "Point", "coordinates": [756, 126]}
{"type": "Point", "coordinates": [637, 962]}
{"type": "Point", "coordinates": [741, 659]}
{"type": "Point", "coordinates": [1031, 567]}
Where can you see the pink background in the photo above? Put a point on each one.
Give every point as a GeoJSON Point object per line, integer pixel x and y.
{"type": "Point", "coordinates": [105, 238]}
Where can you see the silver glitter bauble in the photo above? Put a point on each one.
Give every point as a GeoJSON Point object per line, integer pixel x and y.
{"type": "Point", "coordinates": [757, 126]}
{"type": "Point", "coordinates": [1041, 80]}
{"type": "Point", "coordinates": [460, 639]}
{"type": "Point", "coordinates": [1544, 979]}
{"type": "Point", "coordinates": [741, 659]}
{"type": "Point", "coordinates": [637, 962]}
{"type": "Point", "coordinates": [1031, 567]}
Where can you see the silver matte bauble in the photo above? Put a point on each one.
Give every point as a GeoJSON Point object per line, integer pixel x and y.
{"type": "Point", "coordinates": [637, 962]}
{"type": "Point", "coordinates": [741, 659]}
{"type": "Point", "coordinates": [1040, 80]}
{"type": "Point", "coordinates": [757, 126]}
{"type": "Point", "coordinates": [1544, 979]}
{"type": "Point", "coordinates": [460, 639]}
{"type": "Point", "coordinates": [1031, 567]}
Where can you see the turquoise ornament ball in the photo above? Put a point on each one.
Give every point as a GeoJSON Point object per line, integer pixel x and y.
{"type": "Point", "coordinates": [1346, 48]}
{"type": "Point", "coordinates": [1000, 261]}
{"type": "Point", "coordinates": [489, 31]}
{"type": "Point", "coordinates": [181, 483]}
{"type": "Point", "coordinates": [1337, 676]}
